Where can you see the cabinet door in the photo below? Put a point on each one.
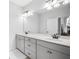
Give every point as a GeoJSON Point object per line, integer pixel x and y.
{"type": "Point", "coordinates": [58, 55]}
{"type": "Point", "coordinates": [20, 43]}
{"type": "Point", "coordinates": [30, 48]}
{"type": "Point", "coordinates": [42, 52]}
{"type": "Point", "coordinates": [30, 54]}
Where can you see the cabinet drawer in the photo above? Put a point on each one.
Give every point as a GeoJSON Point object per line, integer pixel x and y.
{"type": "Point", "coordinates": [20, 43]}
{"type": "Point", "coordinates": [56, 47]}
{"type": "Point", "coordinates": [58, 55]}
{"type": "Point", "coordinates": [30, 54]}
{"type": "Point", "coordinates": [30, 46]}
{"type": "Point", "coordinates": [30, 39]}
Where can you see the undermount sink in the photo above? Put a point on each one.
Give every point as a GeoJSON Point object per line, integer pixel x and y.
{"type": "Point", "coordinates": [62, 39]}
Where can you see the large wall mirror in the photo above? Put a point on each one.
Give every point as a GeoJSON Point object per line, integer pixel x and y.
{"type": "Point", "coordinates": [59, 25]}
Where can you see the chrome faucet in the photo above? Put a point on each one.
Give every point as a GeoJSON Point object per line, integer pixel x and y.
{"type": "Point", "coordinates": [56, 36]}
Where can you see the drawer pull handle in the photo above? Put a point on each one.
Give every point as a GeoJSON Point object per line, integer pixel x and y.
{"type": "Point", "coordinates": [49, 52]}
{"type": "Point", "coordinates": [28, 39]}
{"type": "Point", "coordinates": [29, 45]}
{"type": "Point", "coordinates": [28, 53]}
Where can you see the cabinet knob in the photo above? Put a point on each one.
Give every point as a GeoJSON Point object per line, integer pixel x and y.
{"type": "Point", "coordinates": [49, 52]}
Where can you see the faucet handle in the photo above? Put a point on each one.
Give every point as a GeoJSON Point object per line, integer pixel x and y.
{"type": "Point", "coordinates": [55, 36]}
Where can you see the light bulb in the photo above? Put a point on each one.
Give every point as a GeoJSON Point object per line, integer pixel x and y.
{"type": "Point", "coordinates": [46, 5]}
{"type": "Point", "coordinates": [54, 2]}
{"type": "Point", "coordinates": [30, 13]}
{"type": "Point", "coordinates": [57, 5]}
{"type": "Point", "coordinates": [66, 2]}
{"type": "Point", "coordinates": [49, 8]}
{"type": "Point", "coordinates": [24, 15]}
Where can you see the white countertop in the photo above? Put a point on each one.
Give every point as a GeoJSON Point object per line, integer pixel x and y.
{"type": "Point", "coordinates": [45, 37]}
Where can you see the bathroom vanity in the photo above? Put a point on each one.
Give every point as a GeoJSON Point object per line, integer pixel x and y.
{"type": "Point", "coordinates": [40, 46]}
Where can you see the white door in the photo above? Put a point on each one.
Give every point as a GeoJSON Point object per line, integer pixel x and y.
{"type": "Point", "coordinates": [20, 43]}
{"type": "Point", "coordinates": [58, 55]}
{"type": "Point", "coordinates": [42, 52]}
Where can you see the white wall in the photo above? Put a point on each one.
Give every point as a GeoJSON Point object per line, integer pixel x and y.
{"type": "Point", "coordinates": [15, 26]}
{"type": "Point", "coordinates": [54, 13]}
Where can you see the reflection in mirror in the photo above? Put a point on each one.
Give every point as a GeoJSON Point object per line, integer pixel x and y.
{"type": "Point", "coordinates": [64, 26]}
{"type": "Point", "coordinates": [52, 25]}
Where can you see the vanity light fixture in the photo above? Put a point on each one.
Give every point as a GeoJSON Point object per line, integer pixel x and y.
{"type": "Point", "coordinates": [30, 13]}
{"type": "Point", "coordinates": [46, 5]}
{"type": "Point", "coordinates": [56, 5]}
{"type": "Point", "coordinates": [27, 13]}
{"type": "Point", "coordinates": [49, 4]}
{"type": "Point", "coordinates": [23, 16]}
{"type": "Point", "coordinates": [66, 2]}
{"type": "Point", "coordinates": [49, 8]}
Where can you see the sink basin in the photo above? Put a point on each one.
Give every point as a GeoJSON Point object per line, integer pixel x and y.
{"type": "Point", "coordinates": [61, 39]}
{"type": "Point", "coordinates": [64, 40]}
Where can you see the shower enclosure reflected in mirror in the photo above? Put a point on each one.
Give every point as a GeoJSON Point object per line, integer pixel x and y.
{"type": "Point", "coordinates": [64, 26]}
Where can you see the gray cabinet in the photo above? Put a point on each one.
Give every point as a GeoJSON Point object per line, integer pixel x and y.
{"type": "Point", "coordinates": [58, 55]}
{"type": "Point", "coordinates": [26, 45]}
{"type": "Point", "coordinates": [30, 48]}
{"type": "Point", "coordinates": [47, 50]}
{"type": "Point", "coordinates": [38, 49]}
{"type": "Point", "coordinates": [42, 52]}
{"type": "Point", "coordinates": [20, 43]}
